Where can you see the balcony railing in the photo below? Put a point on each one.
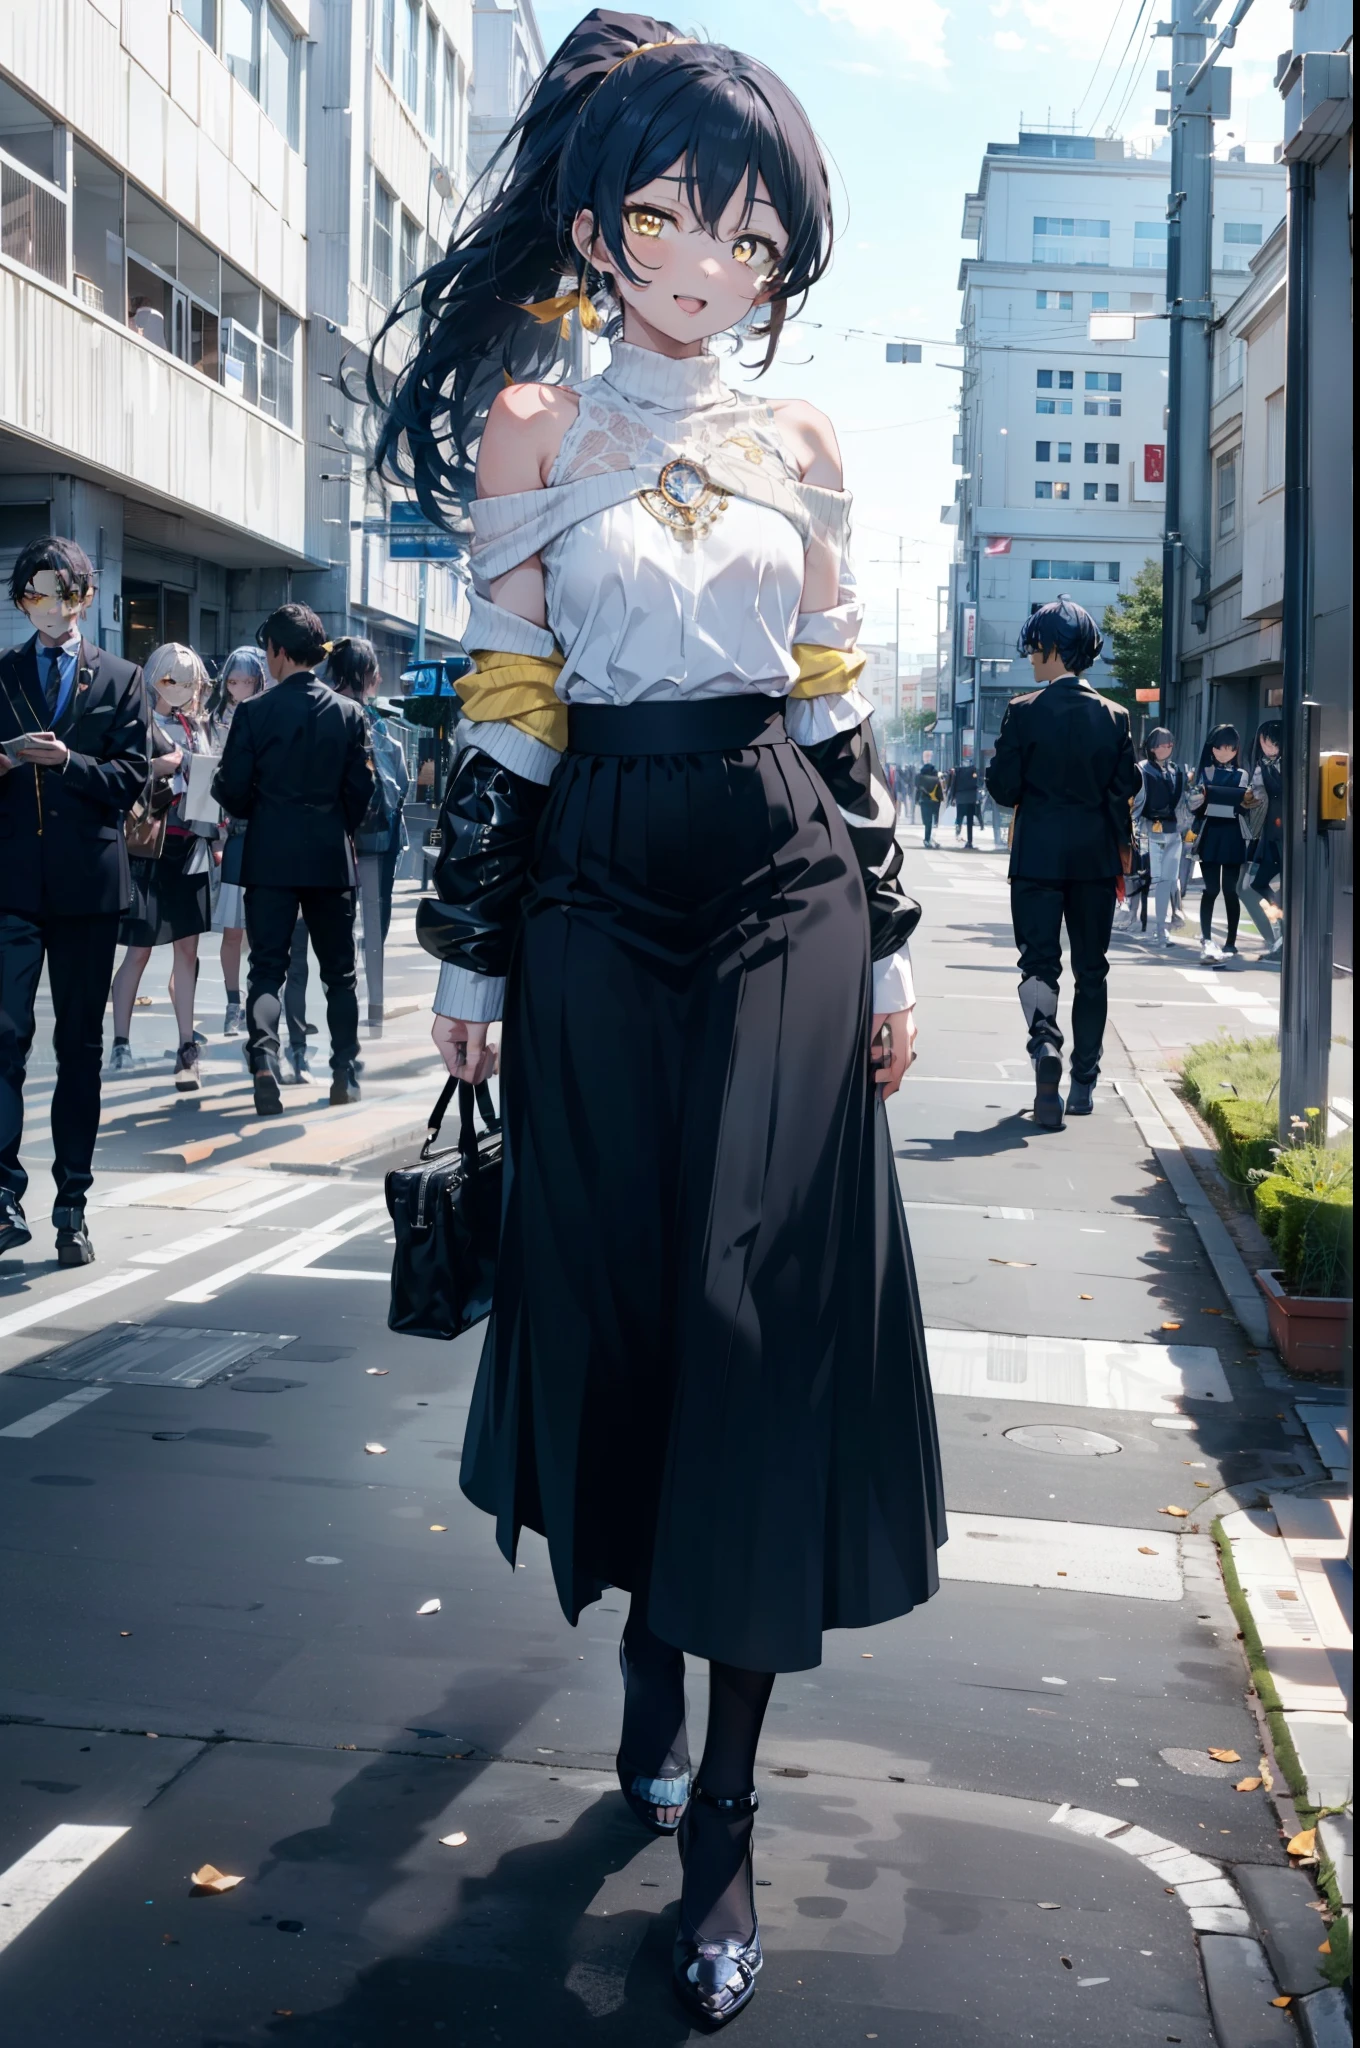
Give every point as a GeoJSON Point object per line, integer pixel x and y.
{"type": "Point", "coordinates": [32, 223]}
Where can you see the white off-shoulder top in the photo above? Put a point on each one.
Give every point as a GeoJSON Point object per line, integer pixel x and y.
{"type": "Point", "coordinates": [644, 614]}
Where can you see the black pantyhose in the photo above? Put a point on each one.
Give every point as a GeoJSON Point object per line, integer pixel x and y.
{"type": "Point", "coordinates": [716, 1897]}
{"type": "Point", "coordinates": [654, 1743]}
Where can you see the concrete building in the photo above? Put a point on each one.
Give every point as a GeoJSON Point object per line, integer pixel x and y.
{"type": "Point", "coordinates": [153, 288]}
{"type": "Point", "coordinates": [1062, 438]}
{"type": "Point", "coordinates": [508, 56]}
{"type": "Point", "coordinates": [389, 112]}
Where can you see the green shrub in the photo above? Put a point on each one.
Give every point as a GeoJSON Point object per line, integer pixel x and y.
{"type": "Point", "coordinates": [1242, 1068]}
{"type": "Point", "coordinates": [1268, 1197]}
{"type": "Point", "coordinates": [1305, 1206]}
{"type": "Point", "coordinates": [1248, 1134]}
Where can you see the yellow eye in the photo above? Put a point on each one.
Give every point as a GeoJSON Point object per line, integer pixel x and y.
{"type": "Point", "coordinates": [643, 221]}
{"type": "Point", "coordinates": [746, 248]}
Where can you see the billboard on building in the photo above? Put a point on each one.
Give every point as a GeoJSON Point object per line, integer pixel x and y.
{"type": "Point", "coordinates": [969, 631]}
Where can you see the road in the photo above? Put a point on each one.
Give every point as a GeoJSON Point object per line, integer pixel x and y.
{"type": "Point", "coordinates": [215, 1652]}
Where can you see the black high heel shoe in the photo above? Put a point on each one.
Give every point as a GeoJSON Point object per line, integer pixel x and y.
{"type": "Point", "coordinates": [717, 1979]}
{"type": "Point", "coordinates": [647, 1797]}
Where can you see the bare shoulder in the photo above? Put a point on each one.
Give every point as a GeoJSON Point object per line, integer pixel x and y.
{"type": "Point", "coordinates": [524, 430]}
{"type": "Point", "coordinates": [812, 442]}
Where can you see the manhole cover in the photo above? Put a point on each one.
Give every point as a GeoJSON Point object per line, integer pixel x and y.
{"type": "Point", "coordinates": [153, 1355]}
{"type": "Point", "coordinates": [1064, 1439]}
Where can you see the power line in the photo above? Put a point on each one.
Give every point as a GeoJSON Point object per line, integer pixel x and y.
{"type": "Point", "coordinates": [1114, 20]}
{"type": "Point", "coordinates": [1134, 85]}
{"type": "Point", "coordinates": [1114, 78]}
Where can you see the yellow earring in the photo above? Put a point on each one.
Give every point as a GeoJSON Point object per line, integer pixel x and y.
{"type": "Point", "coordinates": [586, 313]}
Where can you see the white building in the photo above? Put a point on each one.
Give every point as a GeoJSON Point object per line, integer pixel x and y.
{"type": "Point", "coordinates": [1062, 439]}
{"type": "Point", "coordinates": [153, 282]}
{"type": "Point", "coordinates": [508, 57]}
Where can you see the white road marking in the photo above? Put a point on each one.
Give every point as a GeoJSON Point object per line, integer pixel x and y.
{"type": "Point", "coordinates": [44, 1873]}
{"type": "Point", "coordinates": [201, 1241]}
{"type": "Point", "coordinates": [56, 1411]}
{"type": "Point", "coordinates": [1075, 1372]}
{"type": "Point", "coordinates": [1071, 1557]}
{"type": "Point", "coordinates": [975, 1209]}
{"type": "Point", "coordinates": [301, 1246]}
{"type": "Point", "coordinates": [51, 1306]}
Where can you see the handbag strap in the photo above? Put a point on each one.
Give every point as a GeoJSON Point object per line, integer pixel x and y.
{"type": "Point", "coordinates": [467, 1129]}
{"type": "Point", "coordinates": [437, 1117]}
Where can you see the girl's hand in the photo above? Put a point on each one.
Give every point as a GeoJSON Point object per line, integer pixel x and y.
{"type": "Point", "coordinates": [890, 1056]}
{"type": "Point", "coordinates": [167, 764]}
{"type": "Point", "coordinates": [464, 1049]}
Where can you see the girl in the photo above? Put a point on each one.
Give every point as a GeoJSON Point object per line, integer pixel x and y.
{"type": "Point", "coordinates": [1161, 817]}
{"type": "Point", "coordinates": [244, 675]}
{"type": "Point", "coordinates": [171, 895]}
{"type": "Point", "coordinates": [668, 858]}
{"type": "Point", "coordinates": [352, 669]}
{"type": "Point", "coordinates": [1224, 792]}
{"type": "Point", "coordinates": [1267, 861]}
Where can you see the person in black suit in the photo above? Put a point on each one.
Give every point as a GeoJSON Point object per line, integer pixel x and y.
{"type": "Point", "coordinates": [963, 794]}
{"type": "Point", "coordinates": [1065, 763]}
{"type": "Point", "coordinates": [73, 726]}
{"type": "Point", "coordinates": [296, 767]}
{"type": "Point", "coordinates": [929, 792]}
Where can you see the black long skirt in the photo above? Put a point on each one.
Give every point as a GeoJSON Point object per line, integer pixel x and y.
{"type": "Point", "coordinates": [167, 902]}
{"type": "Point", "coordinates": [704, 1377]}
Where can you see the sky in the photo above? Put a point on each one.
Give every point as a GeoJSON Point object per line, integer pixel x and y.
{"type": "Point", "coordinates": [904, 96]}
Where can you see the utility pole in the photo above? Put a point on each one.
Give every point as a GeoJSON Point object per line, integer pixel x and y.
{"type": "Point", "coordinates": [1200, 94]}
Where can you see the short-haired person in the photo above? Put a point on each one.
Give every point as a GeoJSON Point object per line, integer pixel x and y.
{"type": "Point", "coordinates": [73, 727]}
{"type": "Point", "coordinates": [929, 792]}
{"type": "Point", "coordinates": [1064, 761]}
{"type": "Point", "coordinates": [963, 794]}
{"type": "Point", "coordinates": [296, 768]}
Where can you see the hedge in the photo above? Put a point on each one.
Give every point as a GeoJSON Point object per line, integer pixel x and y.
{"type": "Point", "coordinates": [1248, 1133]}
{"type": "Point", "coordinates": [1311, 1233]}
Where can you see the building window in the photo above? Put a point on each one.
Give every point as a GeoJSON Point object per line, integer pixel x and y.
{"type": "Point", "coordinates": [1112, 451]}
{"type": "Point", "coordinates": [1062, 490]}
{"type": "Point", "coordinates": [1111, 494]}
{"type": "Point", "coordinates": [410, 264]}
{"type": "Point", "coordinates": [1103, 408]}
{"type": "Point", "coordinates": [241, 43]}
{"type": "Point", "coordinates": [1227, 495]}
{"type": "Point", "coordinates": [1066, 239]}
{"type": "Point", "coordinates": [1104, 380]}
{"type": "Point", "coordinates": [1090, 492]}
{"type": "Point", "coordinates": [1240, 237]}
{"type": "Point", "coordinates": [1044, 379]}
{"type": "Point", "coordinates": [1053, 302]}
{"type": "Point", "coordinates": [1043, 451]}
{"type": "Point", "coordinates": [97, 248]}
{"type": "Point", "coordinates": [1045, 405]}
{"type": "Point", "coordinates": [1074, 572]}
{"type": "Point", "coordinates": [1228, 361]}
{"type": "Point", "coordinates": [1090, 451]}
{"type": "Point", "coordinates": [1149, 245]}
{"type": "Point", "coordinates": [388, 58]}
{"type": "Point", "coordinates": [280, 68]}
{"type": "Point", "coordinates": [201, 16]}
{"type": "Point", "coordinates": [1100, 302]}
{"type": "Point", "coordinates": [431, 76]}
{"type": "Point", "coordinates": [380, 266]}
{"type": "Point", "coordinates": [410, 85]}
{"type": "Point", "coordinates": [1275, 440]}
{"type": "Point", "coordinates": [1043, 489]}
{"type": "Point", "coordinates": [1064, 451]}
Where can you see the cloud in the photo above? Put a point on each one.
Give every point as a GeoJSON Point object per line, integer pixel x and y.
{"type": "Point", "coordinates": [914, 32]}
{"type": "Point", "coordinates": [1007, 39]}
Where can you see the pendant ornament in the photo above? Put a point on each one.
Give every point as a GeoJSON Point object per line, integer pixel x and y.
{"type": "Point", "coordinates": [685, 499]}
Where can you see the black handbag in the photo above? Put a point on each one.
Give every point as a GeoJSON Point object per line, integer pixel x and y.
{"type": "Point", "coordinates": [446, 1218]}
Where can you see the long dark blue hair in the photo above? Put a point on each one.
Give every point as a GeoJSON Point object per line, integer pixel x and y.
{"type": "Point", "coordinates": [1221, 736]}
{"type": "Point", "coordinates": [608, 114]}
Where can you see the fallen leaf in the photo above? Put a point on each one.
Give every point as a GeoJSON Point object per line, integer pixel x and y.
{"type": "Point", "coordinates": [1267, 1778]}
{"type": "Point", "coordinates": [1211, 1311]}
{"type": "Point", "coordinates": [125, 1633]}
{"type": "Point", "coordinates": [1247, 1785]}
{"type": "Point", "coordinates": [428, 1607]}
{"type": "Point", "coordinates": [376, 1450]}
{"type": "Point", "coordinates": [452, 1841]}
{"type": "Point", "coordinates": [1086, 1297]}
{"type": "Point", "coordinates": [1146, 1550]}
{"type": "Point", "coordinates": [1010, 1262]}
{"type": "Point", "coordinates": [1173, 1511]}
{"type": "Point", "coordinates": [1207, 1484]}
{"type": "Point", "coordinates": [1171, 1326]}
{"type": "Point", "coordinates": [210, 1879]}
{"type": "Point", "coordinates": [1225, 1756]}
{"type": "Point", "coordinates": [1282, 2001]}
{"type": "Point", "coordinates": [1324, 1948]}
{"type": "Point", "coordinates": [866, 1653]}
{"type": "Point", "coordinates": [1303, 1844]}
{"type": "Point", "coordinates": [1062, 1575]}
{"type": "Point", "coordinates": [376, 1372]}
{"type": "Point", "coordinates": [439, 1528]}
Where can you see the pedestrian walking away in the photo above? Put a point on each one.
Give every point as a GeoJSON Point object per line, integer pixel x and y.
{"type": "Point", "coordinates": [963, 794]}
{"type": "Point", "coordinates": [171, 882]}
{"type": "Point", "coordinates": [929, 793]}
{"type": "Point", "coordinates": [668, 857]}
{"type": "Point", "coordinates": [1064, 761]}
{"type": "Point", "coordinates": [1265, 856]}
{"type": "Point", "coordinates": [1222, 803]}
{"type": "Point", "coordinates": [352, 669]}
{"type": "Point", "coordinates": [243, 676]}
{"type": "Point", "coordinates": [1161, 818]}
{"type": "Point", "coordinates": [296, 768]}
{"type": "Point", "coordinates": [73, 762]}
{"type": "Point", "coordinates": [906, 792]}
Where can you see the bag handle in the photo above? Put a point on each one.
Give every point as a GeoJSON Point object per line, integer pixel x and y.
{"type": "Point", "coordinates": [467, 1129]}
{"type": "Point", "coordinates": [437, 1117]}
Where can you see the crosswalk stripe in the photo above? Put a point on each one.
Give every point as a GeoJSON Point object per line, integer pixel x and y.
{"type": "Point", "coordinates": [1076, 1372]}
{"type": "Point", "coordinates": [56, 1411]}
{"type": "Point", "coordinates": [1070, 1557]}
{"type": "Point", "coordinates": [44, 1873]}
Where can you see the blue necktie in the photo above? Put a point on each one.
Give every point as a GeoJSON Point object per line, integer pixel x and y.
{"type": "Point", "coordinates": [53, 690]}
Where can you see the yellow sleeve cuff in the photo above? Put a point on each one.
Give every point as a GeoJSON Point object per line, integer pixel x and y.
{"type": "Point", "coordinates": [518, 690]}
{"type": "Point", "coordinates": [825, 671]}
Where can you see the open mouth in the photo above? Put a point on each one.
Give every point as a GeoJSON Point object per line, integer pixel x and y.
{"type": "Point", "coordinates": [688, 305]}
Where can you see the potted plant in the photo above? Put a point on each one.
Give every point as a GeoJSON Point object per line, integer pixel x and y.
{"type": "Point", "coordinates": [1304, 1203]}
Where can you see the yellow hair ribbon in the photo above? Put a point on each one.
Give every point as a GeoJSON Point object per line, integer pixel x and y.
{"type": "Point", "coordinates": [547, 310]}
{"type": "Point", "coordinates": [825, 671]}
{"type": "Point", "coordinates": [519, 689]}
